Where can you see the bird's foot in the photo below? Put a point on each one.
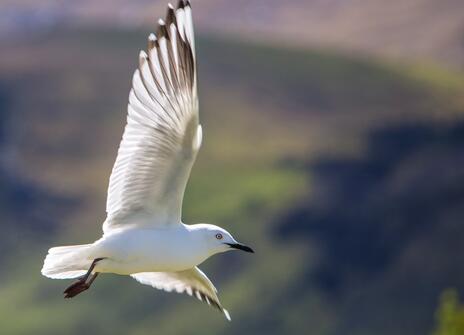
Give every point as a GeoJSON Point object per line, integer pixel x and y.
{"type": "Point", "coordinates": [84, 282]}
{"type": "Point", "coordinates": [78, 287]}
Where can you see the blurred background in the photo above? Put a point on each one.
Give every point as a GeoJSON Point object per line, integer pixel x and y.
{"type": "Point", "coordinates": [333, 144]}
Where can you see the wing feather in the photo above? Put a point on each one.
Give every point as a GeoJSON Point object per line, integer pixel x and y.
{"type": "Point", "coordinates": [193, 282]}
{"type": "Point", "coordinates": [162, 135]}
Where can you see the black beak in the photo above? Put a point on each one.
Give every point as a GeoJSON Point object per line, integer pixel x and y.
{"type": "Point", "coordinates": [240, 247]}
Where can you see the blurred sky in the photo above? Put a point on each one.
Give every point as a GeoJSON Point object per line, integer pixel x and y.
{"type": "Point", "coordinates": [411, 29]}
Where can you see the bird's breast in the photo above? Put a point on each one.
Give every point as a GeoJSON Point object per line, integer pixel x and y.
{"type": "Point", "coordinates": [149, 250]}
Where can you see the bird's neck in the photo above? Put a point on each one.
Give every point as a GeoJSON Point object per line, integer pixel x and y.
{"type": "Point", "coordinates": [199, 241]}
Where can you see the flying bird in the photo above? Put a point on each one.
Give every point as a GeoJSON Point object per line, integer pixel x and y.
{"type": "Point", "coordinates": [143, 234]}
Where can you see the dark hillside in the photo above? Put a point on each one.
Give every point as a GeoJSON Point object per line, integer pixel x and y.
{"type": "Point", "coordinates": [388, 225]}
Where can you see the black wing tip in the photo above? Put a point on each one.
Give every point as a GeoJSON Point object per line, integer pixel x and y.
{"type": "Point", "coordinates": [170, 16]}
{"type": "Point", "coordinates": [206, 298]}
{"type": "Point", "coordinates": [184, 3]}
{"type": "Point", "coordinates": [161, 30]}
{"type": "Point", "coordinates": [180, 4]}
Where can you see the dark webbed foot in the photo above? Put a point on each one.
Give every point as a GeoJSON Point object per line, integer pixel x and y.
{"type": "Point", "coordinates": [78, 287]}
{"type": "Point", "coordinates": [83, 283]}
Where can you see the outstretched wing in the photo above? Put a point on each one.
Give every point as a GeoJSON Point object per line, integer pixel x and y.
{"type": "Point", "coordinates": [194, 282]}
{"type": "Point", "coordinates": [162, 135]}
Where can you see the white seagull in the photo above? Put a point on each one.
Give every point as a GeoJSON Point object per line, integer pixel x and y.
{"type": "Point", "coordinates": [143, 234]}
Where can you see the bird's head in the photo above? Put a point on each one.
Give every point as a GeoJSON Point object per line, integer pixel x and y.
{"type": "Point", "coordinates": [218, 239]}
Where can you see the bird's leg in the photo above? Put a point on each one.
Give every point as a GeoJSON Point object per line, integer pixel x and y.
{"type": "Point", "coordinates": [82, 284]}
{"type": "Point", "coordinates": [92, 278]}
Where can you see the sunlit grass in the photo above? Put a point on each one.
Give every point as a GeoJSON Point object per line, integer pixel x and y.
{"type": "Point", "coordinates": [226, 192]}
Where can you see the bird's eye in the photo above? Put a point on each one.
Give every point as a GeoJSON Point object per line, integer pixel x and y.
{"type": "Point", "coordinates": [219, 236]}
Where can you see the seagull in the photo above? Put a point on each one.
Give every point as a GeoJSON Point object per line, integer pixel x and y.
{"type": "Point", "coordinates": [143, 234]}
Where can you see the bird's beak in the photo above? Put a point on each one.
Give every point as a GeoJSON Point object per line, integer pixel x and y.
{"type": "Point", "coordinates": [239, 246]}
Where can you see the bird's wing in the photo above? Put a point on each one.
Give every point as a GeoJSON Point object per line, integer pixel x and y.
{"type": "Point", "coordinates": [162, 135]}
{"type": "Point", "coordinates": [193, 282]}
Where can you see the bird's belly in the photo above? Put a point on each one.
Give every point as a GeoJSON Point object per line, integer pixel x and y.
{"type": "Point", "coordinates": [126, 268]}
{"type": "Point", "coordinates": [145, 252]}
{"type": "Point", "coordinates": [142, 264]}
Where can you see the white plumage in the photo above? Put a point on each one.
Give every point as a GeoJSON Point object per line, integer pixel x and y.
{"type": "Point", "coordinates": [143, 233]}
{"type": "Point", "coordinates": [162, 135]}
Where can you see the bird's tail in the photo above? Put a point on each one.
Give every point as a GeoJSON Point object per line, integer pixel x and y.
{"type": "Point", "coordinates": [66, 262]}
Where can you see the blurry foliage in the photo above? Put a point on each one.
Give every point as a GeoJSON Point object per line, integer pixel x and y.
{"type": "Point", "coordinates": [450, 315]}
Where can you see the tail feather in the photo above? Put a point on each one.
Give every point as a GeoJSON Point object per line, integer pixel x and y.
{"type": "Point", "coordinates": [66, 262]}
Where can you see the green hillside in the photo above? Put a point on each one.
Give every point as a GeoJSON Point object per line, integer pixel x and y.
{"type": "Point", "coordinates": [343, 173]}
